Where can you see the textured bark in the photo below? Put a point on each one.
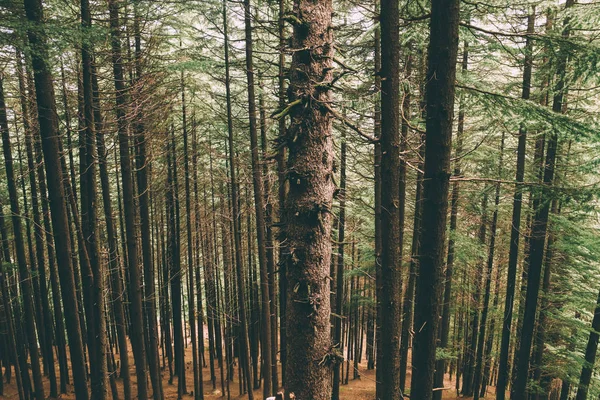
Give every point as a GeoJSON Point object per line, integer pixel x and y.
{"type": "Point", "coordinates": [308, 206]}
{"type": "Point", "coordinates": [390, 284]}
{"type": "Point", "coordinates": [515, 233]}
{"type": "Point", "coordinates": [441, 75]}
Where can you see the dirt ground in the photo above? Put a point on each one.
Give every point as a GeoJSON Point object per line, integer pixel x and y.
{"type": "Point", "coordinates": [357, 389]}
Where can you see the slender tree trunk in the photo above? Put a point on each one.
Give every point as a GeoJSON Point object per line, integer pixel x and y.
{"type": "Point", "coordinates": [377, 198]}
{"type": "Point", "coordinates": [143, 168]}
{"type": "Point", "coordinates": [538, 236]}
{"type": "Point", "coordinates": [114, 266]}
{"type": "Point", "coordinates": [445, 322]}
{"type": "Point", "coordinates": [339, 288]}
{"type": "Point", "coordinates": [12, 350]}
{"type": "Point", "coordinates": [259, 207]}
{"type": "Point", "coordinates": [281, 194]}
{"type": "Point", "coordinates": [135, 291]}
{"type": "Point", "coordinates": [24, 273]}
{"type": "Point", "coordinates": [515, 233]}
{"type": "Point", "coordinates": [441, 74]}
{"type": "Point", "coordinates": [39, 235]}
{"type": "Point", "coordinates": [244, 343]}
{"type": "Point", "coordinates": [93, 278]}
{"type": "Point", "coordinates": [389, 303]}
{"type": "Point", "coordinates": [174, 258]}
{"type": "Point", "coordinates": [590, 355]}
{"type": "Point", "coordinates": [479, 361]}
{"type": "Point", "coordinates": [197, 371]}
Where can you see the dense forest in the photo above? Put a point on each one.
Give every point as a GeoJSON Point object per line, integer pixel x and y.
{"type": "Point", "coordinates": [299, 199]}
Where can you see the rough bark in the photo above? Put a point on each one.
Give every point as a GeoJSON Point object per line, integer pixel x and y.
{"type": "Point", "coordinates": [441, 75]}
{"type": "Point", "coordinates": [308, 205]}
{"type": "Point", "coordinates": [390, 284]}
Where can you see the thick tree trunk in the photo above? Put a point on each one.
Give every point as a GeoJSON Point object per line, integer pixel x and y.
{"type": "Point", "coordinates": [441, 75]}
{"type": "Point", "coordinates": [308, 206]}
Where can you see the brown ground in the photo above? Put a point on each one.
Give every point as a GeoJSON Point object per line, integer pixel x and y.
{"type": "Point", "coordinates": [357, 389]}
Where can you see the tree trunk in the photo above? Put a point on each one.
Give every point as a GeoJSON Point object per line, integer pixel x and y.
{"type": "Point", "coordinates": [241, 298]}
{"type": "Point", "coordinates": [135, 292]}
{"type": "Point", "coordinates": [389, 303]}
{"type": "Point", "coordinates": [445, 327]}
{"type": "Point", "coordinates": [24, 273]}
{"type": "Point", "coordinates": [259, 208]}
{"type": "Point", "coordinates": [441, 74]}
{"type": "Point", "coordinates": [39, 235]}
{"type": "Point", "coordinates": [515, 233]}
{"type": "Point", "coordinates": [590, 355]}
{"type": "Point", "coordinates": [339, 288]}
{"type": "Point", "coordinates": [93, 277]}
{"type": "Point", "coordinates": [308, 206]}
{"type": "Point", "coordinates": [143, 168]}
{"type": "Point", "coordinates": [479, 361]}
{"type": "Point", "coordinates": [538, 236]}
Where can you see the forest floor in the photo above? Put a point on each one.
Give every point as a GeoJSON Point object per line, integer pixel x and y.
{"type": "Point", "coordinates": [356, 389]}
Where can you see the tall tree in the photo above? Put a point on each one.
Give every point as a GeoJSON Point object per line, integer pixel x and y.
{"type": "Point", "coordinates": [515, 233]}
{"type": "Point", "coordinates": [259, 208]}
{"type": "Point", "coordinates": [440, 87]}
{"type": "Point", "coordinates": [539, 229]}
{"type": "Point", "coordinates": [134, 280]}
{"type": "Point", "coordinates": [244, 346]}
{"type": "Point", "coordinates": [389, 303]}
{"type": "Point", "coordinates": [24, 272]}
{"type": "Point", "coordinates": [307, 214]}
